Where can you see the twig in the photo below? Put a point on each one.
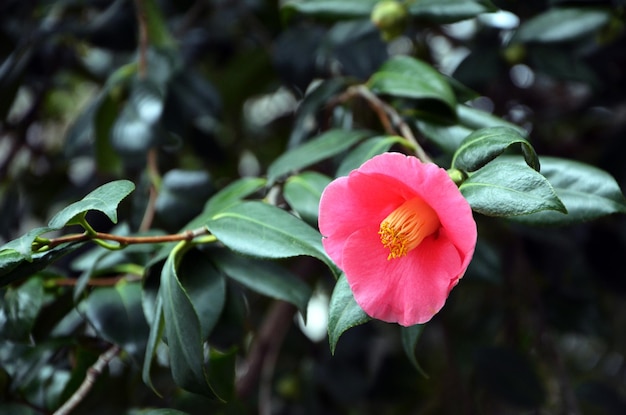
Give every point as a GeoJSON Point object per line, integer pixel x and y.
{"type": "Point", "coordinates": [387, 115]}
{"type": "Point", "coordinates": [153, 174]}
{"type": "Point", "coordinates": [143, 39]}
{"type": "Point", "coordinates": [266, 346]}
{"type": "Point", "coordinates": [125, 240]}
{"type": "Point", "coordinates": [92, 374]}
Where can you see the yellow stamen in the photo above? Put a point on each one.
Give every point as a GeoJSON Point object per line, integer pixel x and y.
{"type": "Point", "coordinates": [407, 226]}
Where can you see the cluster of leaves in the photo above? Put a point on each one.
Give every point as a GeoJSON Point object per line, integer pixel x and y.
{"type": "Point", "coordinates": [198, 283]}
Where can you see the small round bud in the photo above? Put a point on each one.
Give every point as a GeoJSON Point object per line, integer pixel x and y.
{"type": "Point", "coordinates": [390, 16]}
{"type": "Point", "coordinates": [457, 176]}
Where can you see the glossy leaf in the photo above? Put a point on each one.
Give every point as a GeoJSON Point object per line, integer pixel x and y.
{"type": "Point", "coordinates": [183, 332]}
{"type": "Point", "coordinates": [365, 151]}
{"type": "Point", "coordinates": [503, 188]}
{"type": "Point", "coordinates": [116, 314]}
{"type": "Point", "coordinates": [265, 231]}
{"type": "Point", "coordinates": [105, 199]}
{"type": "Point", "coordinates": [410, 336]}
{"type": "Point", "coordinates": [319, 148]}
{"type": "Point", "coordinates": [24, 244]}
{"type": "Point", "coordinates": [407, 77]}
{"type": "Point", "coordinates": [484, 145]}
{"type": "Point", "coordinates": [13, 265]}
{"type": "Point", "coordinates": [586, 191]}
{"type": "Point", "coordinates": [157, 329]}
{"type": "Point", "coordinates": [343, 313]}
{"type": "Point", "coordinates": [329, 8]}
{"type": "Point", "coordinates": [234, 193]}
{"type": "Point", "coordinates": [19, 308]}
{"type": "Point", "coordinates": [562, 25]}
{"type": "Point", "coordinates": [205, 286]}
{"type": "Point", "coordinates": [182, 195]}
{"type": "Point", "coordinates": [448, 11]}
{"type": "Point", "coordinates": [265, 278]}
{"type": "Point", "coordinates": [303, 192]}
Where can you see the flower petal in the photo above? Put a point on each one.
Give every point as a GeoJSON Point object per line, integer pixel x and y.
{"type": "Point", "coordinates": [407, 290]}
{"type": "Point", "coordinates": [350, 203]}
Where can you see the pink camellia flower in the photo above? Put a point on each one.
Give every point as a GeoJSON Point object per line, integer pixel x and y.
{"type": "Point", "coordinates": [401, 232]}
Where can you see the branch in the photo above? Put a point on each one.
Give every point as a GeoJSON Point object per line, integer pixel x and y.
{"type": "Point", "coordinates": [92, 374]}
{"type": "Point", "coordinates": [388, 117]}
{"type": "Point", "coordinates": [123, 240]}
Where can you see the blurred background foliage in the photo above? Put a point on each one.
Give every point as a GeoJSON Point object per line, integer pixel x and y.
{"type": "Point", "coordinates": [207, 91]}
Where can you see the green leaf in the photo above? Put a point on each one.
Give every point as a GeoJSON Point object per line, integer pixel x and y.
{"type": "Point", "coordinates": [328, 144]}
{"type": "Point", "coordinates": [116, 314]}
{"type": "Point", "coordinates": [407, 77]}
{"type": "Point", "coordinates": [24, 244]}
{"type": "Point", "coordinates": [183, 331]}
{"type": "Point", "coordinates": [19, 308]}
{"type": "Point", "coordinates": [449, 11]}
{"type": "Point", "coordinates": [343, 312]}
{"type": "Point", "coordinates": [484, 145]}
{"type": "Point", "coordinates": [105, 198]}
{"type": "Point", "coordinates": [205, 286]}
{"type": "Point", "coordinates": [329, 8]}
{"type": "Point", "coordinates": [410, 336]}
{"type": "Point", "coordinates": [586, 191]}
{"type": "Point", "coordinates": [221, 372]}
{"type": "Point", "coordinates": [265, 231]}
{"type": "Point", "coordinates": [474, 119]}
{"type": "Point", "coordinates": [234, 193]}
{"type": "Point", "coordinates": [265, 278]}
{"type": "Point", "coordinates": [303, 192]}
{"type": "Point", "coordinates": [365, 151]}
{"type": "Point", "coordinates": [154, 339]}
{"type": "Point", "coordinates": [503, 188]}
{"type": "Point", "coordinates": [13, 265]}
{"type": "Point", "coordinates": [562, 25]}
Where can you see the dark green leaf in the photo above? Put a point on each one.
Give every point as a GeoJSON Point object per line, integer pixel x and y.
{"type": "Point", "coordinates": [105, 198]}
{"type": "Point", "coordinates": [116, 314]}
{"type": "Point", "coordinates": [448, 11]}
{"type": "Point", "coordinates": [221, 372]}
{"type": "Point", "coordinates": [182, 195]}
{"type": "Point", "coordinates": [303, 192]}
{"type": "Point", "coordinates": [234, 193]}
{"type": "Point", "coordinates": [562, 25]}
{"type": "Point", "coordinates": [504, 188]}
{"type": "Point", "coordinates": [24, 244]}
{"type": "Point", "coordinates": [183, 332]}
{"type": "Point", "coordinates": [13, 265]}
{"type": "Point", "coordinates": [205, 286]}
{"type": "Point", "coordinates": [154, 339]}
{"type": "Point", "coordinates": [410, 336]}
{"type": "Point", "coordinates": [407, 77]}
{"type": "Point", "coordinates": [343, 312]}
{"type": "Point", "coordinates": [484, 145]}
{"type": "Point", "coordinates": [365, 151]}
{"type": "Point", "coordinates": [329, 8]}
{"type": "Point", "coordinates": [474, 119]}
{"type": "Point", "coordinates": [319, 148]}
{"type": "Point", "coordinates": [265, 231]}
{"type": "Point", "coordinates": [265, 278]}
{"type": "Point", "coordinates": [586, 191]}
{"type": "Point", "coordinates": [313, 102]}
{"type": "Point", "coordinates": [19, 309]}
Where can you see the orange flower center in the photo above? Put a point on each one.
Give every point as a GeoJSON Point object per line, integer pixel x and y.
{"type": "Point", "coordinates": [407, 226]}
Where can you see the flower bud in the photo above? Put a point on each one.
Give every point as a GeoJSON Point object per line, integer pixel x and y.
{"type": "Point", "coordinates": [390, 16]}
{"type": "Point", "coordinates": [457, 176]}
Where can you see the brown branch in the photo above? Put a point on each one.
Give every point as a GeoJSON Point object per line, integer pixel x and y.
{"type": "Point", "coordinates": [143, 39]}
{"type": "Point", "coordinates": [92, 374]}
{"type": "Point", "coordinates": [264, 351]}
{"type": "Point", "coordinates": [153, 174]}
{"type": "Point", "coordinates": [387, 115]}
{"type": "Point", "coordinates": [128, 240]}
